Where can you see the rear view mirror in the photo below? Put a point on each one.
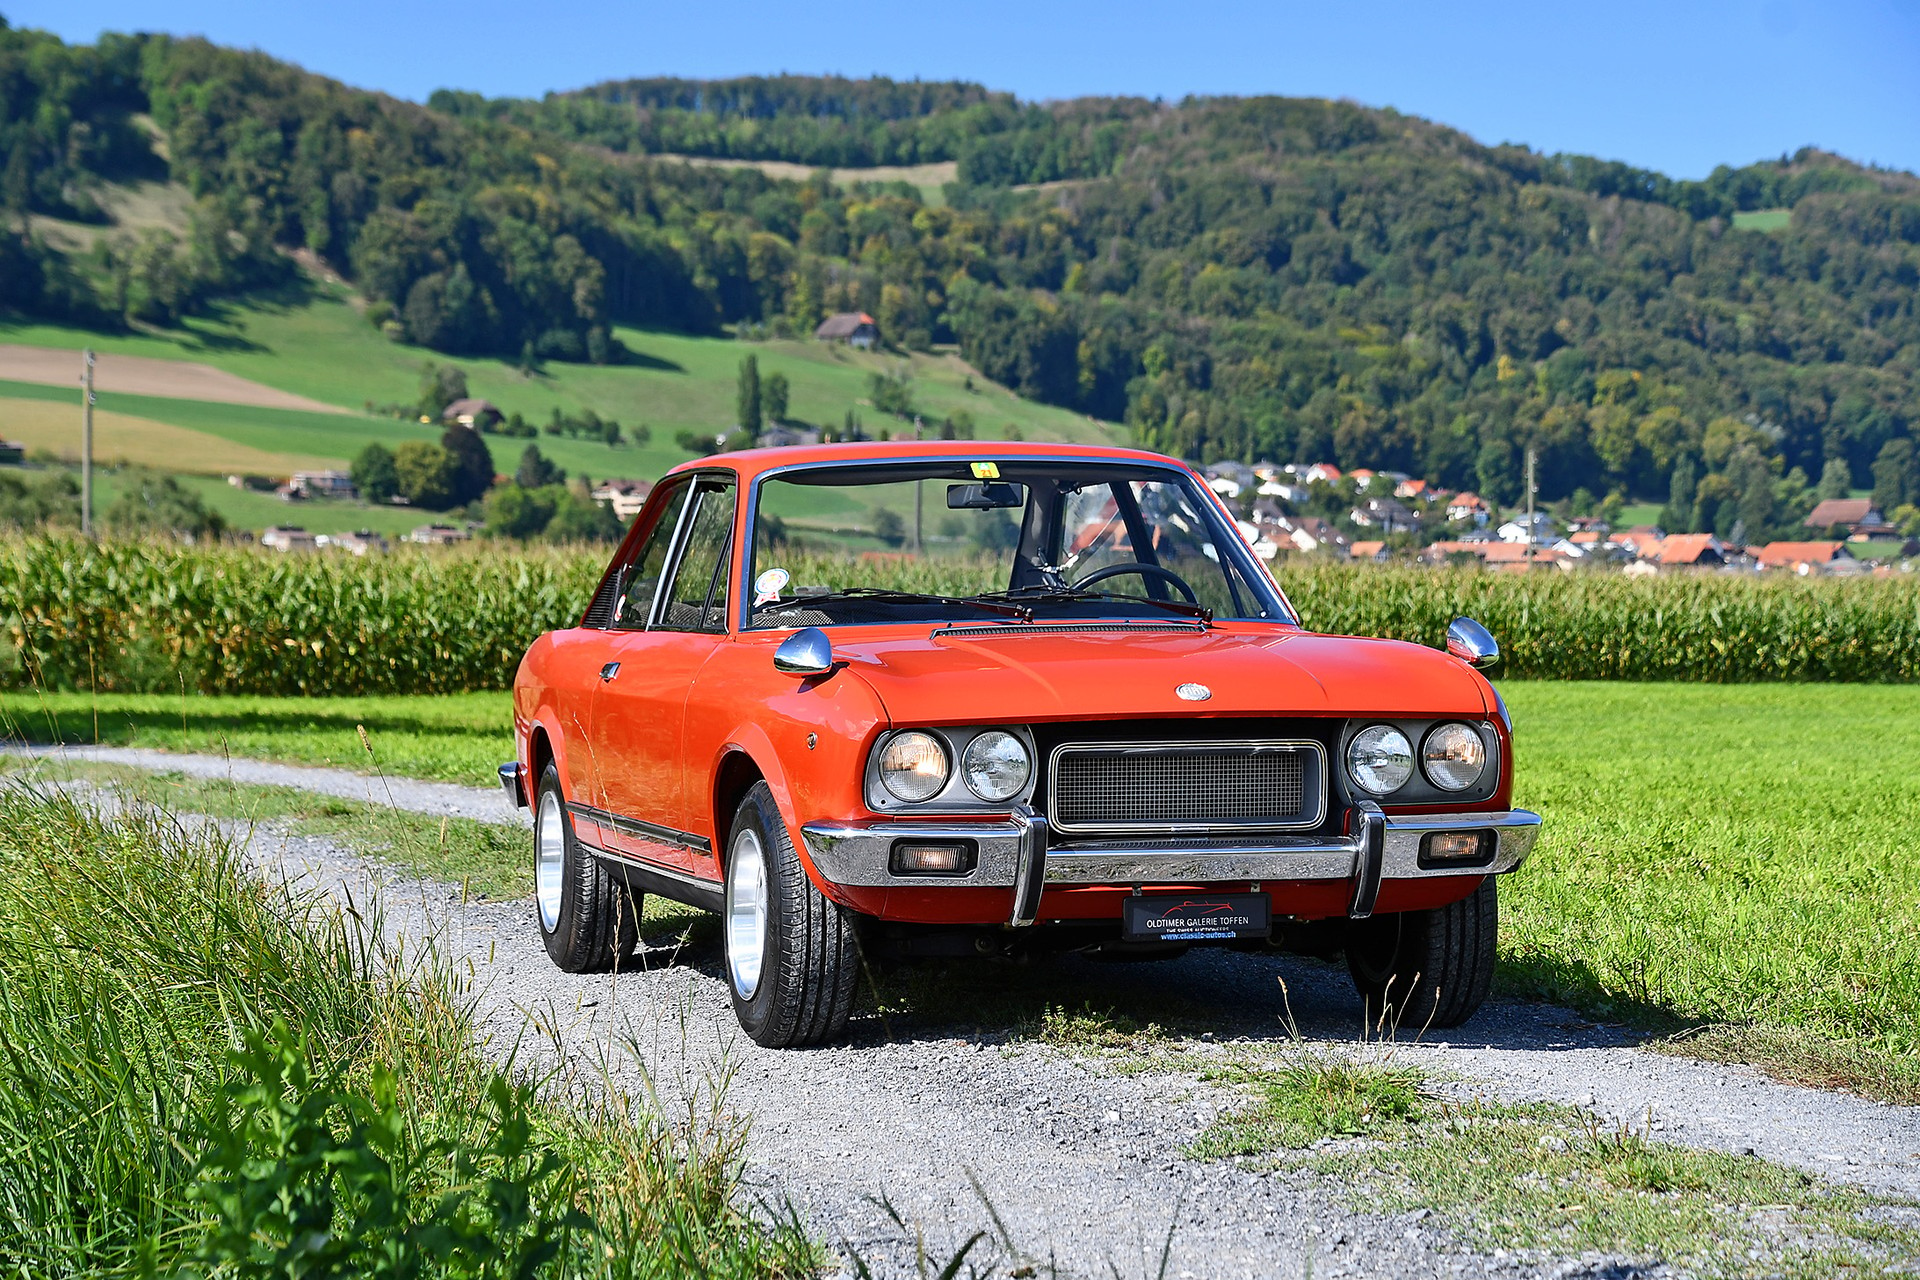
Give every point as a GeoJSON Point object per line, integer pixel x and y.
{"type": "Point", "coordinates": [983, 497]}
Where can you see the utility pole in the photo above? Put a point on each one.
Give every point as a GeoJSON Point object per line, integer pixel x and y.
{"type": "Point", "coordinates": [1530, 490]}
{"type": "Point", "coordinates": [86, 447]}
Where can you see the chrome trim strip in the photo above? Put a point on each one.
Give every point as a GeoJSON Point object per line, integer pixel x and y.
{"type": "Point", "coordinates": [857, 854]}
{"type": "Point", "coordinates": [993, 630]}
{"type": "Point", "coordinates": [637, 827]}
{"type": "Point", "coordinates": [709, 895]}
{"type": "Point", "coordinates": [1182, 828]}
{"type": "Point", "coordinates": [510, 782]}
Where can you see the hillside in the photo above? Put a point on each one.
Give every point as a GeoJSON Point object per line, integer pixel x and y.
{"type": "Point", "coordinates": [1284, 278]}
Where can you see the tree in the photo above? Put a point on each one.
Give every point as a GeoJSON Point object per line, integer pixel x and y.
{"type": "Point", "coordinates": [889, 527]}
{"type": "Point", "coordinates": [373, 473]}
{"type": "Point", "coordinates": [427, 473]}
{"type": "Point", "coordinates": [440, 386]}
{"type": "Point", "coordinates": [774, 392]}
{"type": "Point", "coordinates": [892, 393]}
{"type": "Point", "coordinates": [535, 471]}
{"type": "Point", "coordinates": [1896, 476]}
{"type": "Point", "coordinates": [472, 463]}
{"type": "Point", "coordinates": [1836, 479]}
{"type": "Point", "coordinates": [748, 413]}
{"type": "Point", "coordinates": [514, 511]}
{"type": "Point", "coordinates": [578, 518]}
{"type": "Point", "coordinates": [152, 503]}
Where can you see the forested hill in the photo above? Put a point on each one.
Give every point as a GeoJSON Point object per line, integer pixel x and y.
{"type": "Point", "coordinates": [1281, 278]}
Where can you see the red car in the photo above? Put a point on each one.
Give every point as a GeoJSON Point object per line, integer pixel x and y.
{"type": "Point", "coordinates": [944, 699]}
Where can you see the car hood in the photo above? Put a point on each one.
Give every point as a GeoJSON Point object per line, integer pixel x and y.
{"type": "Point", "coordinates": [929, 678]}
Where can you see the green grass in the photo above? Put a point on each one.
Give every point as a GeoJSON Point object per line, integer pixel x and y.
{"type": "Point", "coordinates": [1547, 1178]}
{"type": "Point", "coordinates": [1737, 857]}
{"type": "Point", "coordinates": [1763, 220]}
{"type": "Point", "coordinates": [314, 343]}
{"type": "Point", "coordinates": [207, 1071]}
{"type": "Point", "coordinates": [453, 738]}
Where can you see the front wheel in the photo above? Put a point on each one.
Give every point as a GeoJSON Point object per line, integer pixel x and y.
{"type": "Point", "coordinates": [791, 954]}
{"type": "Point", "coordinates": [1428, 968]}
{"type": "Point", "coordinates": [588, 920]}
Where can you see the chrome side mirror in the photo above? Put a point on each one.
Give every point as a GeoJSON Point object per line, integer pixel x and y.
{"type": "Point", "coordinates": [806, 652]}
{"type": "Point", "coordinates": [1472, 643]}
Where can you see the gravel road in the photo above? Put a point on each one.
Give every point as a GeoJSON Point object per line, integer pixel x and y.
{"type": "Point", "coordinates": [1078, 1154]}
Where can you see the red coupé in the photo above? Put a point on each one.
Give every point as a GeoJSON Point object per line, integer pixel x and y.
{"type": "Point", "coordinates": [941, 699]}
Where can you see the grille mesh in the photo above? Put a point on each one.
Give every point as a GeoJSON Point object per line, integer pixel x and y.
{"type": "Point", "coordinates": [1225, 783]}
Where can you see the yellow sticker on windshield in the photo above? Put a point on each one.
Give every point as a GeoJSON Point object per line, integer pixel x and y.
{"type": "Point", "coordinates": [986, 471]}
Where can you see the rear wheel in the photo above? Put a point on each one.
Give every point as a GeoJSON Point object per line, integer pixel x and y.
{"type": "Point", "coordinates": [792, 958]}
{"type": "Point", "coordinates": [1427, 968]}
{"type": "Point", "coordinates": [588, 920]}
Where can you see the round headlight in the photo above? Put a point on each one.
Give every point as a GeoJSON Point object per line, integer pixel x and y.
{"type": "Point", "coordinates": [995, 766]}
{"type": "Point", "coordinates": [1454, 757]}
{"type": "Point", "coordinates": [914, 767]}
{"type": "Point", "coordinates": [1380, 759]}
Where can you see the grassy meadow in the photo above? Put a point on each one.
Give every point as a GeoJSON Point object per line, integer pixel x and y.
{"type": "Point", "coordinates": [314, 342]}
{"type": "Point", "coordinates": [1736, 858]}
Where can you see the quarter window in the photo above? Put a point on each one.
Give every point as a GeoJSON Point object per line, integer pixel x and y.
{"type": "Point", "coordinates": [642, 580]}
{"type": "Point", "coordinates": [697, 601]}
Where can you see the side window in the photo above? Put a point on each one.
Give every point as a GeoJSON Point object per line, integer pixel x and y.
{"type": "Point", "coordinates": [697, 600]}
{"type": "Point", "coordinates": [642, 579]}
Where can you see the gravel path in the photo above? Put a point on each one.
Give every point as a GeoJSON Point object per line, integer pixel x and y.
{"type": "Point", "coordinates": [1078, 1154]}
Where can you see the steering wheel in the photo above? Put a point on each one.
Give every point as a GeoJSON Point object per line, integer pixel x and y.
{"type": "Point", "coordinates": [1167, 576]}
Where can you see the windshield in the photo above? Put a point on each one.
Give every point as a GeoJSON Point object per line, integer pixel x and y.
{"type": "Point", "coordinates": [960, 539]}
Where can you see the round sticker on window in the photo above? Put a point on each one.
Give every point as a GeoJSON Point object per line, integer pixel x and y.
{"type": "Point", "coordinates": [767, 587]}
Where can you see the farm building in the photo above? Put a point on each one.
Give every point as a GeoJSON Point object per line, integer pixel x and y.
{"type": "Point", "coordinates": [438, 535]}
{"type": "Point", "coordinates": [1374, 551]}
{"type": "Point", "coordinates": [358, 543]}
{"type": "Point", "coordinates": [855, 328]}
{"type": "Point", "coordinates": [472, 412]}
{"type": "Point", "coordinates": [11, 454]}
{"type": "Point", "coordinates": [1691, 550]}
{"type": "Point", "coordinates": [323, 484]}
{"type": "Point", "coordinates": [1847, 513]}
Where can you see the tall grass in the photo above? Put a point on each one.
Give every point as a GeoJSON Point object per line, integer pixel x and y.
{"type": "Point", "coordinates": [160, 618]}
{"type": "Point", "coordinates": [204, 1073]}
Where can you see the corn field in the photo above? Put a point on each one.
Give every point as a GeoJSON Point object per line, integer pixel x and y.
{"type": "Point", "coordinates": [149, 618]}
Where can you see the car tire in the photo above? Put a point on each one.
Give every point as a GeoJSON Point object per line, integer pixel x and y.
{"type": "Point", "coordinates": [1428, 968]}
{"type": "Point", "coordinates": [792, 956]}
{"type": "Point", "coordinates": [589, 921]}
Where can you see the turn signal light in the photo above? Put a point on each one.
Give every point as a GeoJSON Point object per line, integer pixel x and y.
{"type": "Point", "coordinates": [914, 858]}
{"type": "Point", "coordinates": [1456, 849]}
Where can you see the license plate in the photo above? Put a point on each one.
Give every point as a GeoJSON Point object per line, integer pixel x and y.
{"type": "Point", "coordinates": [1197, 917]}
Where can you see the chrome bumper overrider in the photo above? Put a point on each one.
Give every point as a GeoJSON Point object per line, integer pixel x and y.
{"type": "Point", "coordinates": [1008, 852]}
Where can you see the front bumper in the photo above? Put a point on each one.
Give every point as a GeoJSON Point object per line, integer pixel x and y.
{"type": "Point", "coordinates": [1017, 854]}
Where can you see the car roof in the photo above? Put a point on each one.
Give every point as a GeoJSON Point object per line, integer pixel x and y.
{"type": "Point", "coordinates": [752, 463]}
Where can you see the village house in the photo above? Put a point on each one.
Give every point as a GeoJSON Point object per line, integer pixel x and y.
{"type": "Point", "coordinates": [437, 535]}
{"type": "Point", "coordinates": [855, 328]}
{"type": "Point", "coordinates": [1321, 472]}
{"type": "Point", "coordinates": [1691, 551]}
{"type": "Point", "coordinates": [781, 435]}
{"type": "Point", "coordinates": [472, 411]}
{"type": "Point", "coordinates": [1801, 557]}
{"type": "Point", "coordinates": [1468, 508]}
{"type": "Point", "coordinates": [1515, 530]}
{"type": "Point", "coordinates": [626, 497]}
{"type": "Point", "coordinates": [323, 484]}
{"type": "Point", "coordinates": [1308, 534]}
{"type": "Point", "coordinates": [1388, 515]}
{"type": "Point", "coordinates": [12, 454]}
{"type": "Point", "coordinates": [1371, 550]}
{"type": "Point", "coordinates": [289, 537]}
{"type": "Point", "coordinates": [1410, 490]}
{"type": "Point", "coordinates": [357, 543]}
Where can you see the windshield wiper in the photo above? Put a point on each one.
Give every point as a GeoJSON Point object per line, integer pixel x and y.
{"type": "Point", "coordinates": [1070, 595]}
{"type": "Point", "coordinates": [885, 595]}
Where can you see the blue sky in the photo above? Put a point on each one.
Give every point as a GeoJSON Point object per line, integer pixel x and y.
{"type": "Point", "coordinates": [1676, 86]}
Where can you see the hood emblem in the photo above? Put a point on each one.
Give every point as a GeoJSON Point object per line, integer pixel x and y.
{"type": "Point", "coordinates": [1194, 692]}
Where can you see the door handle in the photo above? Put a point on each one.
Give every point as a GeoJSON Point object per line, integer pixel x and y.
{"type": "Point", "coordinates": [609, 671]}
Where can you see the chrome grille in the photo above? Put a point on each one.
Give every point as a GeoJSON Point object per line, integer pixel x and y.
{"type": "Point", "coordinates": [1145, 786]}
